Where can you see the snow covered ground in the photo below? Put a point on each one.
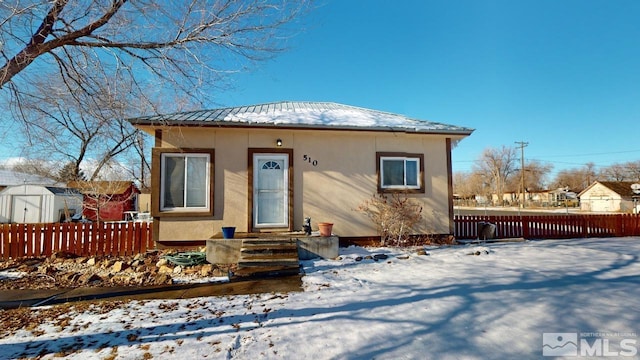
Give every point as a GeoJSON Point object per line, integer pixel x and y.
{"type": "Point", "coordinates": [490, 301]}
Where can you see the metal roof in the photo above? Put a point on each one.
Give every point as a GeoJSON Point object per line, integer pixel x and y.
{"type": "Point", "coordinates": [10, 178]}
{"type": "Point", "coordinates": [298, 114]}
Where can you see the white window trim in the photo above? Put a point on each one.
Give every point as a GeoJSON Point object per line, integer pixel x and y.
{"type": "Point", "coordinates": [207, 206]}
{"type": "Point", "coordinates": [400, 187]}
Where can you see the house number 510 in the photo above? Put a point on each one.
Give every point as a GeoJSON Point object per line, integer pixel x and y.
{"type": "Point", "coordinates": [308, 159]}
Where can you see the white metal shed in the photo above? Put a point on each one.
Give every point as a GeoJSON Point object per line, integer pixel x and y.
{"type": "Point", "coordinates": [30, 204]}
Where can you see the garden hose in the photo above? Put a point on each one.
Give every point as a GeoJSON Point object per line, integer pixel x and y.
{"type": "Point", "coordinates": [190, 258]}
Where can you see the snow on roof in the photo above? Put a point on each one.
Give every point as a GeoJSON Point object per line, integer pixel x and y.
{"type": "Point", "coordinates": [303, 115]}
{"type": "Point", "coordinates": [10, 178]}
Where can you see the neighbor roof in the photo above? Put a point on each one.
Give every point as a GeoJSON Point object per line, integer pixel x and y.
{"type": "Point", "coordinates": [295, 114]}
{"type": "Point", "coordinates": [622, 188]}
{"type": "Point", "coordinates": [101, 187]}
{"type": "Point", "coordinates": [9, 178]}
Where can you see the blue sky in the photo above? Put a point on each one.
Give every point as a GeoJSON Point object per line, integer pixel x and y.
{"type": "Point", "coordinates": [562, 75]}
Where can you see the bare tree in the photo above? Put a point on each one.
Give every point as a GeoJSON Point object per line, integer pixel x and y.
{"type": "Point", "coordinates": [38, 167]}
{"type": "Point", "coordinates": [185, 45]}
{"type": "Point", "coordinates": [74, 69]}
{"type": "Point", "coordinates": [576, 179]}
{"type": "Point", "coordinates": [535, 176]}
{"type": "Point", "coordinates": [633, 168]}
{"type": "Point", "coordinates": [614, 172]}
{"type": "Point", "coordinates": [73, 127]}
{"type": "Point", "coordinates": [470, 185]}
{"type": "Point", "coordinates": [498, 165]}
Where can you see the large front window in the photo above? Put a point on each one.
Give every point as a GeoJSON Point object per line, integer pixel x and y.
{"type": "Point", "coordinates": [400, 172]}
{"type": "Point", "coordinates": [185, 182]}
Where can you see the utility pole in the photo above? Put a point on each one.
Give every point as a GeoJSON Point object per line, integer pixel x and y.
{"type": "Point", "coordinates": [522, 146]}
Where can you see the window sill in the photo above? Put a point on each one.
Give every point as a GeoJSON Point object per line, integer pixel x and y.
{"type": "Point", "coordinates": [400, 191]}
{"type": "Point", "coordinates": [185, 213]}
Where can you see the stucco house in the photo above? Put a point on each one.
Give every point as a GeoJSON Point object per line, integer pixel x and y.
{"type": "Point", "coordinates": [264, 168]}
{"type": "Point", "coordinates": [607, 196]}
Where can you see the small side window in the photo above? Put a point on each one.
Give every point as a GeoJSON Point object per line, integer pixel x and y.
{"type": "Point", "coordinates": [400, 172]}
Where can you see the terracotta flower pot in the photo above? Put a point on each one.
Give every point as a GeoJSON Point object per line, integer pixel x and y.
{"type": "Point", "coordinates": [325, 228]}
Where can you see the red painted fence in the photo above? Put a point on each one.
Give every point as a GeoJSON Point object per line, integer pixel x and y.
{"type": "Point", "coordinates": [550, 226]}
{"type": "Point", "coordinates": [27, 240]}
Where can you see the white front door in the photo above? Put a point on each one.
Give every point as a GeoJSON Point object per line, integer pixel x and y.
{"type": "Point", "coordinates": [271, 190]}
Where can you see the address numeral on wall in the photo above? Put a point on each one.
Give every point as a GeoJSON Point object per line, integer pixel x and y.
{"type": "Point", "coordinates": [308, 159]}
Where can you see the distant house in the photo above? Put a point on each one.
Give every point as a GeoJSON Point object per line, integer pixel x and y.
{"type": "Point", "coordinates": [266, 167]}
{"type": "Point", "coordinates": [607, 196]}
{"type": "Point", "coordinates": [29, 204]}
{"type": "Point", "coordinates": [563, 197]}
{"type": "Point", "coordinates": [106, 200]}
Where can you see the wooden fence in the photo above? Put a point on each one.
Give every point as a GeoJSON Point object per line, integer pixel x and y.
{"type": "Point", "coordinates": [550, 226]}
{"type": "Point", "coordinates": [28, 240]}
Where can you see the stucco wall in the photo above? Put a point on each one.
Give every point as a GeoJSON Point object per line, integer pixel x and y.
{"type": "Point", "coordinates": [333, 172]}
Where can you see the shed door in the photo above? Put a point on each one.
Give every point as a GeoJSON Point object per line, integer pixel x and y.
{"type": "Point", "coordinates": [26, 209]}
{"type": "Point", "coordinates": [270, 190]}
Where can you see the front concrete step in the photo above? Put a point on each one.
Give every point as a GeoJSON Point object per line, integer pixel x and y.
{"type": "Point", "coordinates": [269, 241]}
{"type": "Point", "coordinates": [266, 271]}
{"type": "Point", "coordinates": [268, 257]}
{"type": "Point", "coordinates": [269, 249]}
{"type": "Point", "coordinates": [273, 257]}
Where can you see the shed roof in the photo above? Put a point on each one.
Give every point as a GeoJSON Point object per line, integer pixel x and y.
{"type": "Point", "coordinates": [62, 191]}
{"type": "Point", "coordinates": [298, 114]}
{"type": "Point", "coordinates": [29, 189]}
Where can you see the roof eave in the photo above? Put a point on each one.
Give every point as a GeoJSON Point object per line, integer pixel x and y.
{"type": "Point", "coordinates": [233, 124]}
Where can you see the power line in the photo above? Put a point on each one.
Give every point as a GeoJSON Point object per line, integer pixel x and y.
{"type": "Point", "coordinates": [595, 154]}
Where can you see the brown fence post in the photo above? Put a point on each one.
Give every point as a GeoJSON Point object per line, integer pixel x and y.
{"type": "Point", "coordinates": [47, 238]}
{"type": "Point", "coordinates": [93, 249]}
{"type": "Point", "coordinates": [525, 226]}
{"type": "Point", "coordinates": [108, 238]}
{"type": "Point", "coordinates": [86, 240]}
{"type": "Point", "coordinates": [21, 229]}
{"type": "Point", "coordinates": [130, 238]}
{"type": "Point", "coordinates": [619, 225]}
{"type": "Point", "coordinates": [141, 236]}
{"type": "Point", "coordinates": [151, 244]}
{"type": "Point", "coordinates": [77, 233]}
